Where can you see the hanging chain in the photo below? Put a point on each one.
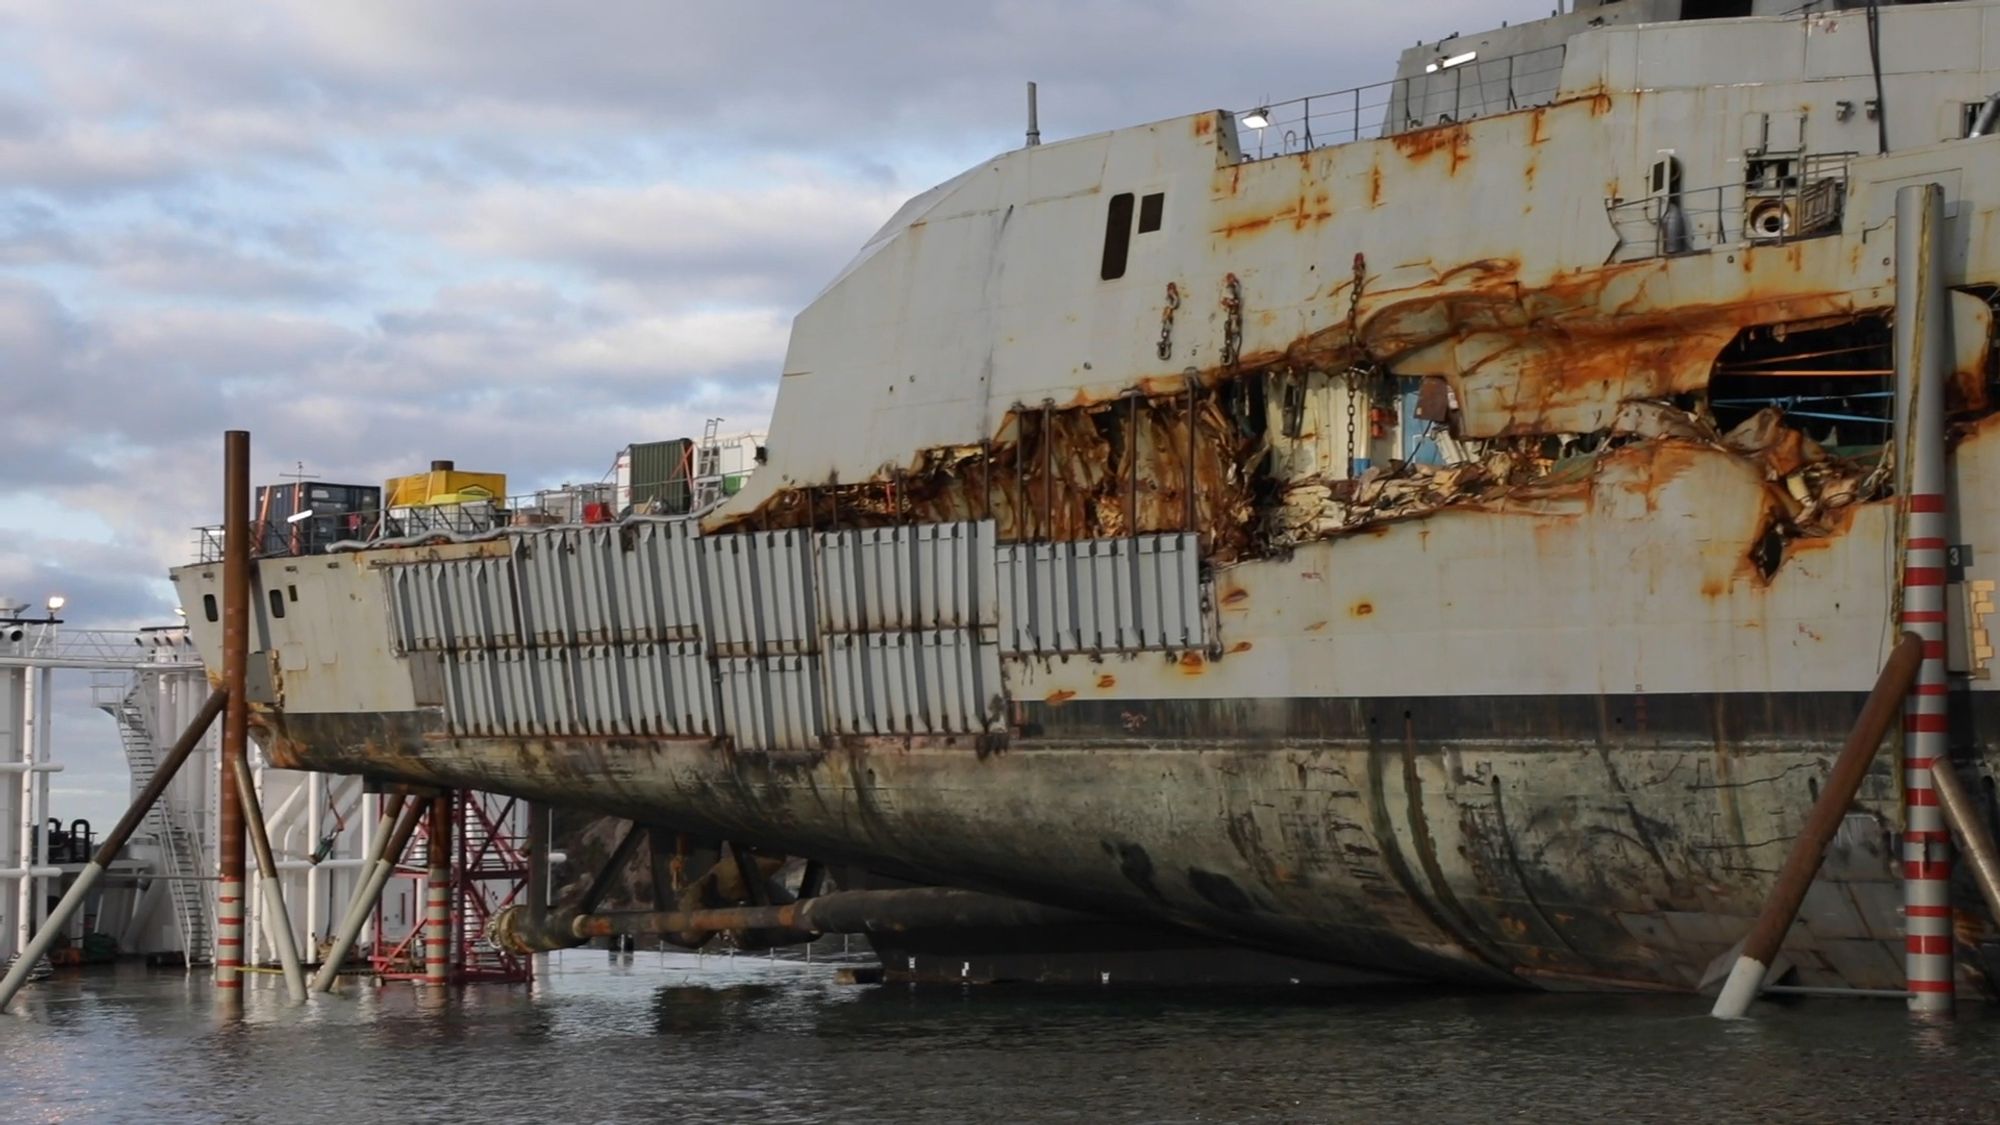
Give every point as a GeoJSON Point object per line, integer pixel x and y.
{"type": "Point", "coordinates": [1167, 321]}
{"type": "Point", "coordinates": [1232, 322]}
{"type": "Point", "coordinates": [1356, 368]}
{"type": "Point", "coordinates": [1353, 392]}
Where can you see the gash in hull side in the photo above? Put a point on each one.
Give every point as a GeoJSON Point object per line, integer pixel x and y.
{"type": "Point", "coordinates": [1455, 552]}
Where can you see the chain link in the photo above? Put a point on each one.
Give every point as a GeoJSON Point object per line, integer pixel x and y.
{"type": "Point", "coordinates": [1356, 365]}
{"type": "Point", "coordinates": [1232, 323]}
{"type": "Point", "coordinates": [1167, 321]}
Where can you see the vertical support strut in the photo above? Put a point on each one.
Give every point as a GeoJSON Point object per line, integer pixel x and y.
{"type": "Point", "coordinates": [1922, 352]}
{"type": "Point", "coordinates": [437, 895]}
{"type": "Point", "coordinates": [31, 817]}
{"type": "Point", "coordinates": [235, 715]}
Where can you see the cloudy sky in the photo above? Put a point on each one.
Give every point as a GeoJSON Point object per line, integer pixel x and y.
{"type": "Point", "coordinates": [515, 234]}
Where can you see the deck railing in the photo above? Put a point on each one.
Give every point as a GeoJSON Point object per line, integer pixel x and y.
{"type": "Point", "coordinates": [547, 508]}
{"type": "Point", "coordinates": [1476, 87]}
{"type": "Point", "coordinates": [1804, 204]}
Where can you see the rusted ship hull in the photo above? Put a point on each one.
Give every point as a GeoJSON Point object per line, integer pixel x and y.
{"type": "Point", "coordinates": [1561, 842]}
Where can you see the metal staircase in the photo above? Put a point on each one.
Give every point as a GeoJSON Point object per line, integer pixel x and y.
{"type": "Point", "coordinates": [180, 845]}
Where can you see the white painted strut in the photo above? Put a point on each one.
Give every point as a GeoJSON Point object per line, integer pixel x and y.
{"type": "Point", "coordinates": [388, 846]}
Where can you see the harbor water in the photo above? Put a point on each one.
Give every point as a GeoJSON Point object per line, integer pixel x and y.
{"type": "Point", "coordinates": [673, 1037]}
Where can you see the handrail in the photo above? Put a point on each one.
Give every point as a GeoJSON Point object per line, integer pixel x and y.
{"type": "Point", "coordinates": [1689, 221]}
{"type": "Point", "coordinates": [1474, 88]}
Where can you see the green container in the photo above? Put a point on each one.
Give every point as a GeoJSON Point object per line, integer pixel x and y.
{"type": "Point", "coordinates": [661, 472]}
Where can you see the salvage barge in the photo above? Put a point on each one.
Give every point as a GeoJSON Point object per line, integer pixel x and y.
{"type": "Point", "coordinates": [1438, 531]}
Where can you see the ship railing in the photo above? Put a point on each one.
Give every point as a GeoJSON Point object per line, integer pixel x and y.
{"type": "Point", "coordinates": [1476, 87]}
{"type": "Point", "coordinates": [1805, 203]}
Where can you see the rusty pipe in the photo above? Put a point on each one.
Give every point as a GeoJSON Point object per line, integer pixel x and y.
{"type": "Point", "coordinates": [841, 912]}
{"type": "Point", "coordinates": [1885, 701]}
{"type": "Point", "coordinates": [113, 844]}
{"type": "Point", "coordinates": [236, 715]}
{"type": "Point", "coordinates": [1972, 836]}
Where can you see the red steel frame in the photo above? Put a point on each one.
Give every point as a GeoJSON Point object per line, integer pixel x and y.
{"type": "Point", "coordinates": [488, 873]}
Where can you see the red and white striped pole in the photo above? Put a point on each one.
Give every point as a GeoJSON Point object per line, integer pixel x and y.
{"type": "Point", "coordinates": [235, 716]}
{"type": "Point", "coordinates": [1922, 348]}
{"type": "Point", "coordinates": [437, 895]}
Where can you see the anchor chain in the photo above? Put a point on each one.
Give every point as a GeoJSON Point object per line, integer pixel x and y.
{"type": "Point", "coordinates": [1232, 320]}
{"type": "Point", "coordinates": [1167, 321]}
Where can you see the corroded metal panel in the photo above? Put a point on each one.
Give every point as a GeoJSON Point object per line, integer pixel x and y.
{"type": "Point", "coordinates": [770, 702]}
{"type": "Point", "coordinates": [1098, 595]}
{"type": "Point", "coordinates": [760, 593]}
{"type": "Point", "coordinates": [932, 681]}
{"type": "Point", "coordinates": [924, 576]}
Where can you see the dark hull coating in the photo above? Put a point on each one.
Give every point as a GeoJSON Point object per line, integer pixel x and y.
{"type": "Point", "coordinates": [1563, 842]}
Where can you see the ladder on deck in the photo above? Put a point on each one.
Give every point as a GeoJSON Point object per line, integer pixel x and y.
{"type": "Point", "coordinates": [708, 467]}
{"type": "Point", "coordinates": [180, 846]}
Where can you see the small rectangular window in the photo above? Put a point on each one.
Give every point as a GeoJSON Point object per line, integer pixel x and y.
{"type": "Point", "coordinates": [1150, 208]}
{"type": "Point", "coordinates": [208, 607]}
{"type": "Point", "coordinates": [1117, 236]}
{"type": "Point", "coordinates": [291, 593]}
{"type": "Point", "coordinates": [277, 603]}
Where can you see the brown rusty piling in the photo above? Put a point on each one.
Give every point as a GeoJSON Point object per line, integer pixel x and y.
{"type": "Point", "coordinates": [1884, 704]}
{"type": "Point", "coordinates": [113, 844]}
{"type": "Point", "coordinates": [235, 716]}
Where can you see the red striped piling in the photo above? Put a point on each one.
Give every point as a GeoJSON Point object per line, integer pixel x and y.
{"type": "Point", "coordinates": [235, 715]}
{"type": "Point", "coordinates": [1922, 348]}
{"type": "Point", "coordinates": [437, 895]}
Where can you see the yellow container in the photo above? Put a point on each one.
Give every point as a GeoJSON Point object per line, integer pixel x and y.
{"type": "Point", "coordinates": [444, 484]}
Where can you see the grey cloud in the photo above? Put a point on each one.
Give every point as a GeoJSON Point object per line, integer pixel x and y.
{"type": "Point", "coordinates": [829, 78]}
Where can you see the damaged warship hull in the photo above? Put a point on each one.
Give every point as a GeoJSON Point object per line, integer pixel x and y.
{"type": "Point", "coordinates": [1453, 554]}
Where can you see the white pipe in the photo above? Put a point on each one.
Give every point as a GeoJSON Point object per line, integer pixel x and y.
{"type": "Point", "coordinates": [33, 950]}
{"type": "Point", "coordinates": [277, 927]}
{"type": "Point", "coordinates": [43, 871]}
{"type": "Point", "coordinates": [325, 864]}
{"type": "Point", "coordinates": [44, 750]}
{"type": "Point", "coordinates": [24, 767]}
{"type": "Point", "coordinates": [315, 796]}
{"type": "Point", "coordinates": [24, 806]}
